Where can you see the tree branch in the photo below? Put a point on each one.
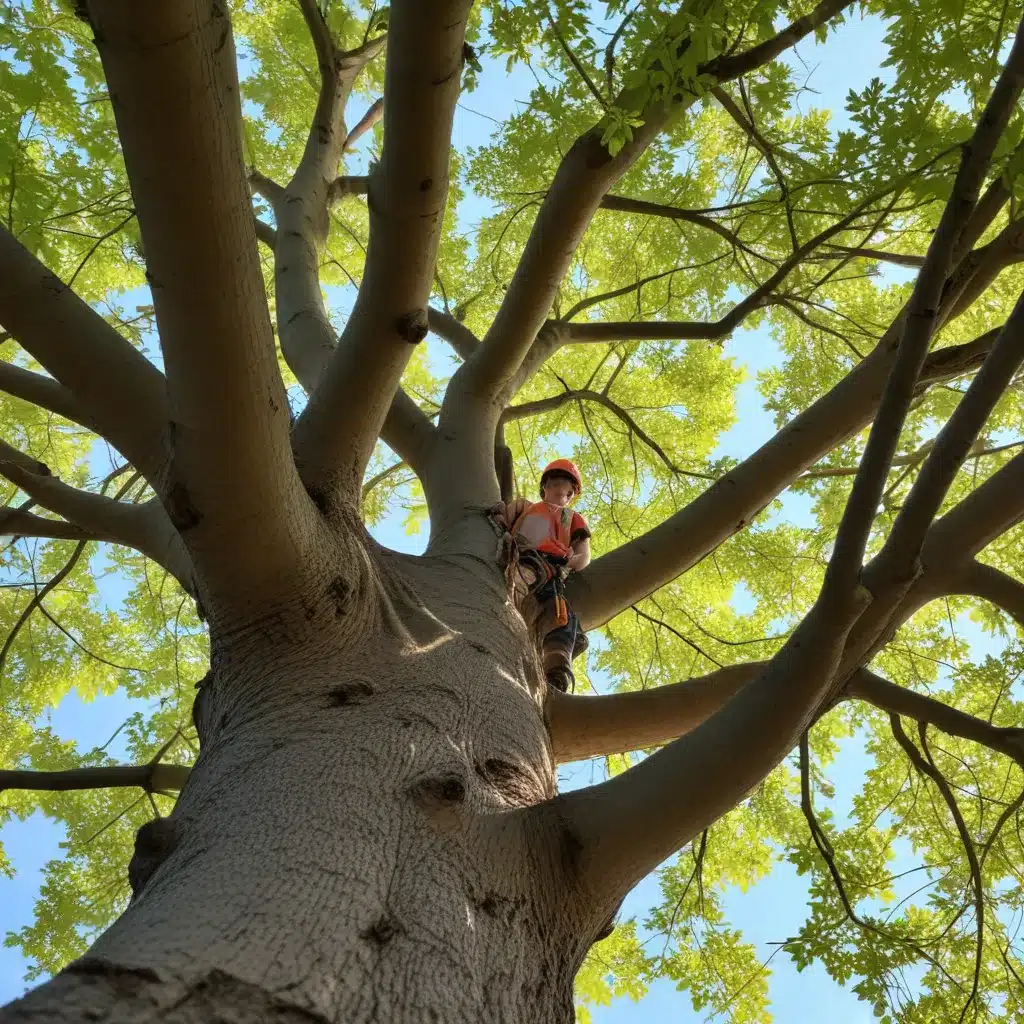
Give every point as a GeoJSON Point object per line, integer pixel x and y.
{"type": "Point", "coordinates": [452, 330]}
{"type": "Point", "coordinates": [995, 586]}
{"type": "Point", "coordinates": [365, 123]}
{"type": "Point", "coordinates": [16, 522]}
{"type": "Point", "coordinates": [624, 576]}
{"type": "Point", "coordinates": [898, 700]}
{"type": "Point", "coordinates": [542, 405]}
{"type": "Point", "coordinates": [985, 514]}
{"type": "Point", "coordinates": [726, 68]}
{"type": "Point", "coordinates": [301, 208]}
{"type": "Point", "coordinates": [642, 206]}
{"type": "Point", "coordinates": [900, 553]}
{"type": "Point", "coordinates": [617, 723]}
{"type": "Point", "coordinates": [268, 188]}
{"type": "Point", "coordinates": [44, 392]}
{"type": "Point", "coordinates": [58, 577]}
{"type": "Point", "coordinates": [153, 778]}
{"type": "Point", "coordinates": [120, 394]}
{"type": "Point", "coordinates": [584, 175]}
{"type": "Point", "coordinates": [992, 201]}
{"type": "Point", "coordinates": [268, 236]}
{"type": "Point", "coordinates": [307, 337]}
{"type": "Point", "coordinates": [145, 528]}
{"type": "Point", "coordinates": [980, 267]}
{"type": "Point", "coordinates": [745, 121]}
{"type": "Point", "coordinates": [926, 767]}
{"type": "Point", "coordinates": [348, 185]}
{"type": "Point", "coordinates": [408, 190]}
{"type": "Point", "coordinates": [917, 329]}
{"type": "Point", "coordinates": [899, 259]}
{"type": "Point", "coordinates": [620, 722]}
{"type": "Point", "coordinates": [627, 825]}
{"type": "Point", "coordinates": [635, 286]}
{"type": "Point", "coordinates": [763, 295]}
{"type": "Point", "coordinates": [233, 486]}
{"type": "Point", "coordinates": [408, 433]}
{"type": "Point", "coordinates": [338, 71]}
{"type": "Point", "coordinates": [977, 451]}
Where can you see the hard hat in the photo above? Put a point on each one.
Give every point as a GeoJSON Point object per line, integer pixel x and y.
{"type": "Point", "coordinates": [568, 468]}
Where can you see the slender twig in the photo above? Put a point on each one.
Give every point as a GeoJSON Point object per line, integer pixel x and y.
{"type": "Point", "coordinates": [926, 766]}
{"type": "Point", "coordinates": [821, 841]}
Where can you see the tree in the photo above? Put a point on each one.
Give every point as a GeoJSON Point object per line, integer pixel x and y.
{"type": "Point", "coordinates": [367, 824]}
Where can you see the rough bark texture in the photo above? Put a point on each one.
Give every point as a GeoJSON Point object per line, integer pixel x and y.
{"type": "Point", "coordinates": [349, 845]}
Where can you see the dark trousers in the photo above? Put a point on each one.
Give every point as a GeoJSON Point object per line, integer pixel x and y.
{"type": "Point", "coordinates": [562, 643]}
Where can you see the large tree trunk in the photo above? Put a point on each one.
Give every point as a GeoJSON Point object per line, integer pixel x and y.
{"type": "Point", "coordinates": [349, 846]}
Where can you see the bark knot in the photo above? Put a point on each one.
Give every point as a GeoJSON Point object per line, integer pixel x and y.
{"type": "Point", "coordinates": [183, 514]}
{"type": "Point", "coordinates": [320, 498]}
{"type": "Point", "coordinates": [412, 326]}
{"type": "Point", "coordinates": [441, 790]}
{"type": "Point", "coordinates": [340, 592]}
{"type": "Point", "coordinates": [382, 931]}
{"type": "Point", "coordinates": [350, 693]}
{"type": "Point", "coordinates": [153, 842]}
{"type": "Point", "coordinates": [514, 784]}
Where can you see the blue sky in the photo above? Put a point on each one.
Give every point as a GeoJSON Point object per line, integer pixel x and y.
{"type": "Point", "coordinates": [770, 911]}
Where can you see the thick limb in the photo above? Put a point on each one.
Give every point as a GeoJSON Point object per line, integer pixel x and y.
{"type": "Point", "coordinates": [994, 585]}
{"type": "Point", "coordinates": [301, 207]}
{"type": "Point", "coordinates": [900, 554]}
{"type": "Point", "coordinates": [117, 391]}
{"type": "Point", "coordinates": [407, 194]}
{"type": "Point", "coordinates": [45, 392]}
{"type": "Point", "coordinates": [19, 522]}
{"type": "Point", "coordinates": [232, 485]}
{"type": "Point", "coordinates": [729, 752]}
{"type": "Point", "coordinates": [621, 722]}
{"type": "Point", "coordinates": [973, 523]}
{"type": "Point", "coordinates": [620, 578]}
{"type": "Point", "coordinates": [462, 340]}
{"type": "Point", "coordinates": [145, 527]}
{"type": "Point", "coordinates": [153, 778]}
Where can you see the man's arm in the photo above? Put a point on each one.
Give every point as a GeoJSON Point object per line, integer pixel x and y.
{"type": "Point", "coordinates": [580, 554]}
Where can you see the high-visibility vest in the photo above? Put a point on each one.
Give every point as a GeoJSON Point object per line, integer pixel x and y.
{"type": "Point", "coordinates": [548, 528]}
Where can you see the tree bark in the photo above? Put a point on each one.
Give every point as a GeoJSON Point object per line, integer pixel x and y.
{"type": "Point", "coordinates": [350, 845]}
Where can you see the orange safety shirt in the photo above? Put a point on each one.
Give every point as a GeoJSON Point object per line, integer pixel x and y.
{"type": "Point", "coordinates": [549, 529]}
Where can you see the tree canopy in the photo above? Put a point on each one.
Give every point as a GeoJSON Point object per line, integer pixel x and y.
{"type": "Point", "coordinates": [745, 209]}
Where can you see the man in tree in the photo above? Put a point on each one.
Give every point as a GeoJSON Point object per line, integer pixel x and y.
{"type": "Point", "coordinates": [551, 540]}
{"type": "Point", "coordinates": [368, 826]}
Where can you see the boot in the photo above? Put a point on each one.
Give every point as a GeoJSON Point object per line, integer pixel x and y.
{"type": "Point", "coordinates": [561, 678]}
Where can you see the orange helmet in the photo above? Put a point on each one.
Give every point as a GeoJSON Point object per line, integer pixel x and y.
{"type": "Point", "coordinates": [563, 466]}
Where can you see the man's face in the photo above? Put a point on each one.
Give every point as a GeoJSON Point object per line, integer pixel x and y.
{"type": "Point", "coordinates": [558, 491]}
